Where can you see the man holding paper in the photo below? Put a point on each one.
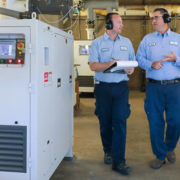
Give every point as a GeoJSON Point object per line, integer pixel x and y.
{"type": "Point", "coordinates": [111, 91]}
{"type": "Point", "coordinates": [159, 55]}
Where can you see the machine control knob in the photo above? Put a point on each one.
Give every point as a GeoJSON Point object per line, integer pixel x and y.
{"type": "Point", "coordinates": [19, 45]}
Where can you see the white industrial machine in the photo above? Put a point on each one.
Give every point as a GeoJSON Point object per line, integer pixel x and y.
{"type": "Point", "coordinates": [36, 99]}
{"type": "Point", "coordinates": [84, 74]}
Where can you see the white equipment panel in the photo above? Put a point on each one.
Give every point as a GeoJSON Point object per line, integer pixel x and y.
{"type": "Point", "coordinates": [36, 99]}
{"type": "Point", "coordinates": [85, 75]}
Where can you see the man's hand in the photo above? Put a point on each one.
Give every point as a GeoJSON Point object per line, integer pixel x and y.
{"type": "Point", "coordinates": [96, 66]}
{"type": "Point", "coordinates": [158, 64]}
{"type": "Point", "coordinates": [129, 70]}
{"type": "Point", "coordinates": [171, 57]}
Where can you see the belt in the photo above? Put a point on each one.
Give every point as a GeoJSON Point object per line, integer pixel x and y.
{"type": "Point", "coordinates": [164, 81]}
{"type": "Point", "coordinates": [100, 82]}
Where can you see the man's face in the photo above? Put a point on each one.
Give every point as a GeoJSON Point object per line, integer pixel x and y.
{"type": "Point", "coordinates": [158, 21]}
{"type": "Point", "coordinates": [117, 23]}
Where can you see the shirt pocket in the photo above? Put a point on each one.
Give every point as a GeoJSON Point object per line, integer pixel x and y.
{"type": "Point", "coordinates": [105, 55]}
{"type": "Point", "coordinates": [175, 49]}
{"type": "Point", "coordinates": [154, 53]}
{"type": "Point", "coordinates": [123, 55]}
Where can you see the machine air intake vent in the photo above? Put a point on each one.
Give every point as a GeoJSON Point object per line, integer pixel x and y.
{"type": "Point", "coordinates": [13, 148]}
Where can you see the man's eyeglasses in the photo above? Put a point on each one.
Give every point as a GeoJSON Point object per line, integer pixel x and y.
{"type": "Point", "coordinates": [156, 17]}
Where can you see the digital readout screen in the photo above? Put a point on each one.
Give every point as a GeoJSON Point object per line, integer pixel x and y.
{"type": "Point", "coordinates": [7, 49]}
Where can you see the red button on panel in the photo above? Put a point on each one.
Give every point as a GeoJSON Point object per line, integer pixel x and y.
{"type": "Point", "coordinates": [19, 45]}
{"type": "Point", "coordinates": [19, 61]}
{"type": "Point", "coordinates": [10, 60]}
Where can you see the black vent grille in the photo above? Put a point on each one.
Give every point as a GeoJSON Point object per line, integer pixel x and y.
{"type": "Point", "coordinates": [13, 148]}
{"type": "Point", "coordinates": [86, 81]}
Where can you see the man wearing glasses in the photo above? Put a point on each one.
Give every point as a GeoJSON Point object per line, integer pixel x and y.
{"type": "Point", "coordinates": [159, 55]}
{"type": "Point", "coordinates": [111, 91]}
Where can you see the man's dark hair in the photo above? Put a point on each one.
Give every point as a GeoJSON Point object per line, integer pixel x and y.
{"type": "Point", "coordinates": [109, 16]}
{"type": "Point", "coordinates": [162, 10]}
{"type": "Point", "coordinates": [165, 14]}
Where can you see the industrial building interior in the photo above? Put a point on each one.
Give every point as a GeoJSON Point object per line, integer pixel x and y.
{"type": "Point", "coordinates": [87, 160]}
{"type": "Point", "coordinates": [88, 163]}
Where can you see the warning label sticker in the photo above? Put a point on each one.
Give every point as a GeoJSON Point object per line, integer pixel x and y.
{"type": "Point", "coordinates": [46, 77]}
{"type": "Point", "coordinates": [50, 77]}
{"type": "Point", "coordinates": [3, 3]}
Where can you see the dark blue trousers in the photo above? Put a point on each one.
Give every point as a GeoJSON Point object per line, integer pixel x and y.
{"type": "Point", "coordinates": [112, 110]}
{"type": "Point", "coordinates": [159, 99]}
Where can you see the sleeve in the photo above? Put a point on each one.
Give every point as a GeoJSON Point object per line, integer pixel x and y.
{"type": "Point", "coordinates": [177, 63]}
{"type": "Point", "coordinates": [132, 54]}
{"type": "Point", "coordinates": [94, 57]}
{"type": "Point", "coordinates": [141, 57]}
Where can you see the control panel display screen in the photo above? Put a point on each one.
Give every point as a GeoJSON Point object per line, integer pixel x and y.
{"type": "Point", "coordinates": [7, 49]}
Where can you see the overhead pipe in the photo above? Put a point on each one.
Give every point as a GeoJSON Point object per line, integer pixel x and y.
{"type": "Point", "coordinates": [146, 10]}
{"type": "Point", "coordinates": [15, 14]}
{"type": "Point", "coordinates": [9, 12]}
{"type": "Point", "coordinates": [101, 4]}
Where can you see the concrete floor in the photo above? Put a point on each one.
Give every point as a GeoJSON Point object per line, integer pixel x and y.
{"type": "Point", "coordinates": [88, 163]}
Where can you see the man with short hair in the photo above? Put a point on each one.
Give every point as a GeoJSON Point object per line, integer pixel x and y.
{"type": "Point", "coordinates": [111, 91]}
{"type": "Point", "coordinates": [159, 55]}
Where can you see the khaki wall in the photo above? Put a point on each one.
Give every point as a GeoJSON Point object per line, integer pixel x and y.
{"type": "Point", "coordinates": [134, 28]}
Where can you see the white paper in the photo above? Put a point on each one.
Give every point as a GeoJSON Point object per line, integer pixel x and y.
{"type": "Point", "coordinates": [124, 65]}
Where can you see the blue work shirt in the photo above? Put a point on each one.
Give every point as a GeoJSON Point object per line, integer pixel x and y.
{"type": "Point", "coordinates": [104, 49]}
{"type": "Point", "coordinates": [153, 48]}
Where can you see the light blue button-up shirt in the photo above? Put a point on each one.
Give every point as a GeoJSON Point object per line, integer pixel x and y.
{"type": "Point", "coordinates": [104, 49]}
{"type": "Point", "coordinates": [153, 48]}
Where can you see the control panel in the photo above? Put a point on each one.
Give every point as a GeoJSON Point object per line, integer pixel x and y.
{"type": "Point", "coordinates": [12, 51]}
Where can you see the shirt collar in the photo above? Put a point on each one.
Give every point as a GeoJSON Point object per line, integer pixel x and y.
{"type": "Point", "coordinates": [106, 36]}
{"type": "Point", "coordinates": [167, 33]}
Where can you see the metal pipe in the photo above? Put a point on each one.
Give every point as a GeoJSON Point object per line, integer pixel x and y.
{"type": "Point", "coordinates": [79, 25]}
{"type": "Point", "coordinates": [9, 12]}
{"type": "Point", "coordinates": [101, 4]}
